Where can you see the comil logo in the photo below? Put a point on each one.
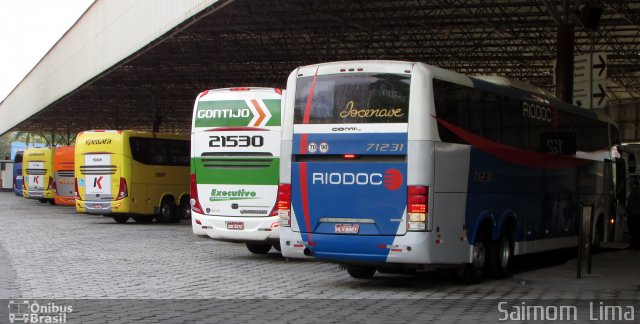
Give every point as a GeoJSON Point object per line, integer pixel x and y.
{"type": "Point", "coordinates": [391, 179]}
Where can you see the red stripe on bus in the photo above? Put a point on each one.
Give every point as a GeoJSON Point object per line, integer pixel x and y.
{"type": "Point", "coordinates": [514, 155]}
{"type": "Point", "coordinates": [305, 198]}
{"type": "Point", "coordinates": [307, 112]}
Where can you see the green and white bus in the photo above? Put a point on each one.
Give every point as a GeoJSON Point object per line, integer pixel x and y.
{"type": "Point", "coordinates": [235, 161]}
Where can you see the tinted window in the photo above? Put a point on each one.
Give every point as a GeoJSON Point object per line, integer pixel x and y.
{"type": "Point", "coordinates": [502, 119]}
{"type": "Point", "coordinates": [353, 98]}
{"type": "Point", "coordinates": [154, 151]}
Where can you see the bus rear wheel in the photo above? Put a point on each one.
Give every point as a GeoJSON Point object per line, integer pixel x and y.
{"type": "Point", "coordinates": [361, 272]}
{"type": "Point", "coordinates": [52, 202]}
{"type": "Point", "coordinates": [258, 248]}
{"type": "Point", "coordinates": [501, 255]}
{"type": "Point", "coordinates": [184, 209]}
{"type": "Point", "coordinates": [166, 214]}
{"type": "Point", "coordinates": [472, 273]}
{"type": "Point", "coordinates": [143, 219]}
{"type": "Point", "coordinates": [42, 200]}
{"type": "Point", "coordinates": [120, 219]}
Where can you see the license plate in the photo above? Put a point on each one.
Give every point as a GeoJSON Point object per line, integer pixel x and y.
{"type": "Point", "coordinates": [347, 228]}
{"type": "Point", "coordinates": [96, 206]}
{"type": "Point", "coordinates": [235, 225]}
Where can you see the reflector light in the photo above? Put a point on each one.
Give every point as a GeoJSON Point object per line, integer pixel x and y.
{"type": "Point", "coordinates": [51, 185]}
{"type": "Point", "coordinates": [193, 191]}
{"type": "Point", "coordinates": [240, 89]}
{"type": "Point", "coordinates": [278, 91]}
{"type": "Point", "coordinates": [282, 207]}
{"type": "Point", "coordinates": [349, 156]}
{"type": "Point", "coordinates": [198, 222]}
{"type": "Point", "coordinates": [54, 185]}
{"type": "Point", "coordinates": [360, 69]}
{"type": "Point", "coordinates": [123, 191]}
{"type": "Point", "coordinates": [77, 193]}
{"type": "Point", "coordinates": [204, 93]}
{"type": "Point", "coordinates": [417, 208]}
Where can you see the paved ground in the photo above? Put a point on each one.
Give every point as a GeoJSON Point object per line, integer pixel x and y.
{"type": "Point", "coordinates": [121, 270]}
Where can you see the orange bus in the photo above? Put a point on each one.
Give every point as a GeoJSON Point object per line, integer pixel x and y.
{"type": "Point", "coordinates": [63, 173]}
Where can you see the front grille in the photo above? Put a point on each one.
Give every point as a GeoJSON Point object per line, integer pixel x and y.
{"type": "Point", "coordinates": [98, 169]}
{"type": "Point", "coordinates": [230, 160]}
{"type": "Point", "coordinates": [65, 174]}
{"type": "Point", "coordinates": [36, 171]}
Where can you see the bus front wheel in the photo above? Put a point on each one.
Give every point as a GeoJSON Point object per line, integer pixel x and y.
{"type": "Point", "coordinates": [360, 272]}
{"type": "Point", "coordinates": [258, 248]}
{"type": "Point", "coordinates": [120, 219]}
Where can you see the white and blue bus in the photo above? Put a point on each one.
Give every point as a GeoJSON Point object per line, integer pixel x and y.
{"type": "Point", "coordinates": [399, 166]}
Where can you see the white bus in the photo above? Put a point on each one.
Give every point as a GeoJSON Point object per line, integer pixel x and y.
{"type": "Point", "coordinates": [399, 166]}
{"type": "Point", "coordinates": [235, 160]}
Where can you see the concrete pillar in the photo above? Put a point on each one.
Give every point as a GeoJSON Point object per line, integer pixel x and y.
{"type": "Point", "coordinates": [564, 62]}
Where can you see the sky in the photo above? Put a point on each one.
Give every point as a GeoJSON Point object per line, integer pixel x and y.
{"type": "Point", "coordinates": [28, 29]}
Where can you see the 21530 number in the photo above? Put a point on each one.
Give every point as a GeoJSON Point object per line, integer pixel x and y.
{"type": "Point", "coordinates": [236, 141]}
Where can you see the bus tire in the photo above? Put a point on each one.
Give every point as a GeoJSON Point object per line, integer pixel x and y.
{"type": "Point", "coordinates": [42, 200]}
{"type": "Point", "coordinates": [184, 209]}
{"type": "Point", "coordinates": [361, 272]}
{"type": "Point", "coordinates": [166, 211]}
{"type": "Point", "coordinates": [52, 202]}
{"type": "Point", "coordinates": [258, 248]}
{"type": "Point", "coordinates": [277, 247]}
{"type": "Point", "coordinates": [121, 218]}
{"type": "Point", "coordinates": [473, 272]}
{"type": "Point", "coordinates": [143, 219]}
{"type": "Point", "coordinates": [501, 255]}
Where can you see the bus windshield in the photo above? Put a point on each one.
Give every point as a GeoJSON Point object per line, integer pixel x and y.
{"type": "Point", "coordinates": [352, 98]}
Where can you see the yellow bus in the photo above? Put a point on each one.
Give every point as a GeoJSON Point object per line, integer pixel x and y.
{"type": "Point", "coordinates": [142, 175]}
{"type": "Point", "coordinates": [37, 174]}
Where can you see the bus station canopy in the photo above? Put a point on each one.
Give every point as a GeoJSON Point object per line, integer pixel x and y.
{"type": "Point", "coordinates": [139, 64]}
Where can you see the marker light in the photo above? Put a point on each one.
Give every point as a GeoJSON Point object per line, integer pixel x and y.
{"type": "Point", "coordinates": [283, 205]}
{"type": "Point", "coordinates": [193, 191]}
{"type": "Point", "coordinates": [417, 208]}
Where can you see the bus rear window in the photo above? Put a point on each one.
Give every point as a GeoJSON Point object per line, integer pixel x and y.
{"type": "Point", "coordinates": [353, 99]}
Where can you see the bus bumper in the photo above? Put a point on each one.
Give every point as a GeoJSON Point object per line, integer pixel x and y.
{"type": "Point", "coordinates": [291, 244]}
{"type": "Point", "coordinates": [94, 207]}
{"type": "Point", "coordinates": [247, 229]}
{"type": "Point", "coordinates": [38, 194]}
{"type": "Point", "coordinates": [67, 201]}
{"type": "Point", "coordinates": [410, 248]}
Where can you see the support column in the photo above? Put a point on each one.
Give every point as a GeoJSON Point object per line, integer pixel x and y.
{"type": "Point", "coordinates": [564, 62]}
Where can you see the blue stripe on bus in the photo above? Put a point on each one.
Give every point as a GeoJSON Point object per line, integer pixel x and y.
{"type": "Point", "coordinates": [545, 203]}
{"type": "Point", "coordinates": [358, 143]}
